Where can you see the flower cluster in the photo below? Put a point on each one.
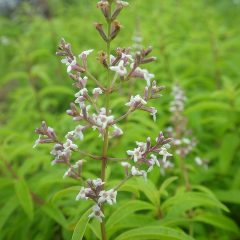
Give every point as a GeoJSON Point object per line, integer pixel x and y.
{"type": "Point", "coordinates": [95, 192]}
{"type": "Point", "coordinates": [183, 142]}
{"type": "Point", "coordinates": [88, 113]}
{"type": "Point", "coordinates": [144, 155]}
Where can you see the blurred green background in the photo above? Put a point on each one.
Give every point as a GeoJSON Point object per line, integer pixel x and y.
{"type": "Point", "coordinates": [197, 44]}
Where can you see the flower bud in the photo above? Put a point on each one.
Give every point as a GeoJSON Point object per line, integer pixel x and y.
{"type": "Point", "coordinates": [99, 28]}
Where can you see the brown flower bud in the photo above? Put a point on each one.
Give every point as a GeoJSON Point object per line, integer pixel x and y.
{"type": "Point", "coordinates": [115, 29]}
{"type": "Point", "coordinates": [99, 27]}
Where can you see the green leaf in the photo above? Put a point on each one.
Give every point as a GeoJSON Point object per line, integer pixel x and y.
{"type": "Point", "coordinates": [184, 201]}
{"type": "Point", "coordinates": [227, 151]}
{"type": "Point", "coordinates": [153, 233]}
{"type": "Point", "coordinates": [165, 184]}
{"type": "Point", "coordinates": [7, 209]}
{"type": "Point", "coordinates": [24, 197]}
{"type": "Point", "coordinates": [219, 221]}
{"type": "Point", "coordinates": [149, 189]}
{"type": "Point", "coordinates": [230, 196]}
{"type": "Point", "coordinates": [81, 226]}
{"type": "Point", "coordinates": [63, 192]}
{"type": "Point", "coordinates": [125, 210]}
{"type": "Point", "coordinates": [54, 213]}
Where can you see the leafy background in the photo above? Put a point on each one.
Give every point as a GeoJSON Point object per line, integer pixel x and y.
{"type": "Point", "coordinates": [197, 44]}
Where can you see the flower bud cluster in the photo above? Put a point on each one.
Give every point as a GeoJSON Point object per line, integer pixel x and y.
{"type": "Point", "coordinates": [145, 155]}
{"type": "Point", "coordinates": [183, 142]}
{"type": "Point", "coordinates": [95, 192]}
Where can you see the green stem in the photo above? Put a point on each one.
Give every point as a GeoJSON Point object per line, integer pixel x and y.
{"type": "Point", "coordinates": [105, 137]}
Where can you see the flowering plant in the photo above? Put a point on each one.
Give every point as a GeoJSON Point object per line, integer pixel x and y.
{"type": "Point", "coordinates": [87, 113]}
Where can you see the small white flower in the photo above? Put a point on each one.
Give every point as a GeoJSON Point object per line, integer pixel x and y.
{"type": "Point", "coordinates": [68, 173]}
{"type": "Point", "coordinates": [97, 91]}
{"type": "Point", "coordinates": [147, 76]}
{"type": "Point", "coordinates": [136, 154]}
{"type": "Point", "coordinates": [126, 58]}
{"type": "Point", "coordinates": [164, 153]}
{"type": "Point", "coordinates": [82, 194]}
{"type": "Point", "coordinates": [69, 62]}
{"type": "Point", "coordinates": [69, 145]}
{"type": "Point", "coordinates": [78, 164]}
{"type": "Point", "coordinates": [85, 53]}
{"type": "Point", "coordinates": [153, 113]}
{"type": "Point", "coordinates": [123, 3]}
{"type": "Point", "coordinates": [199, 161]}
{"type": "Point", "coordinates": [107, 196]}
{"type": "Point", "coordinates": [120, 69]}
{"type": "Point", "coordinates": [37, 142]}
{"type": "Point", "coordinates": [186, 141]}
{"type": "Point", "coordinates": [70, 135]}
{"type": "Point", "coordinates": [97, 213]}
{"type": "Point", "coordinates": [97, 182]}
{"type": "Point", "coordinates": [102, 120]}
{"type": "Point", "coordinates": [82, 92]}
{"type": "Point", "coordinates": [117, 131]}
{"type": "Point", "coordinates": [78, 132]}
{"type": "Point", "coordinates": [135, 101]}
{"type": "Point", "coordinates": [126, 164]}
{"type": "Point", "coordinates": [136, 172]}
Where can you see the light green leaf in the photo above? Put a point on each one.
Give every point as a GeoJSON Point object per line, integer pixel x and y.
{"type": "Point", "coordinates": [165, 184]}
{"type": "Point", "coordinates": [125, 210]}
{"type": "Point", "coordinates": [53, 212]}
{"type": "Point", "coordinates": [227, 151]}
{"type": "Point", "coordinates": [81, 226]}
{"type": "Point", "coordinates": [217, 220]}
{"type": "Point", "coordinates": [230, 196]}
{"type": "Point", "coordinates": [61, 193]}
{"type": "Point", "coordinates": [24, 196]}
{"type": "Point", "coordinates": [185, 201]}
{"type": "Point", "coordinates": [153, 233]}
{"type": "Point", "coordinates": [7, 209]}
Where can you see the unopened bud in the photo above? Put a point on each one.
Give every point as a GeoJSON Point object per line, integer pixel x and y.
{"type": "Point", "coordinates": [99, 27]}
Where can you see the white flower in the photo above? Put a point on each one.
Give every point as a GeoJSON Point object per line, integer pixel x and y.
{"type": "Point", "coordinates": [69, 62]}
{"type": "Point", "coordinates": [199, 161]}
{"type": "Point", "coordinates": [97, 213]}
{"type": "Point", "coordinates": [82, 194]}
{"type": "Point", "coordinates": [126, 164]}
{"type": "Point", "coordinates": [85, 53]}
{"type": "Point", "coordinates": [122, 3]}
{"type": "Point", "coordinates": [136, 154]}
{"type": "Point", "coordinates": [78, 132]}
{"type": "Point", "coordinates": [164, 152]}
{"type": "Point", "coordinates": [136, 172]}
{"type": "Point", "coordinates": [126, 58]}
{"type": "Point", "coordinates": [82, 92]}
{"type": "Point", "coordinates": [120, 68]}
{"type": "Point", "coordinates": [97, 91]}
{"type": "Point", "coordinates": [153, 113]}
{"type": "Point", "coordinates": [186, 141]}
{"type": "Point", "coordinates": [69, 145]}
{"type": "Point", "coordinates": [103, 120]}
{"type": "Point", "coordinates": [153, 161]}
{"type": "Point", "coordinates": [78, 164]}
{"type": "Point", "coordinates": [37, 142]}
{"type": "Point", "coordinates": [135, 101]}
{"type": "Point", "coordinates": [107, 196]}
{"type": "Point", "coordinates": [97, 182]}
{"type": "Point", "coordinates": [68, 173]}
{"type": "Point", "coordinates": [117, 131]}
{"type": "Point", "coordinates": [147, 76]}
{"type": "Point", "coordinates": [70, 135]}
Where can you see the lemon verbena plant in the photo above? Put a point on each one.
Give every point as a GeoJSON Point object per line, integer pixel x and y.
{"type": "Point", "coordinates": [120, 65]}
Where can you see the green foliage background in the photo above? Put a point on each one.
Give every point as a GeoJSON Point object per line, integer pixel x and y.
{"type": "Point", "coordinates": [197, 44]}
